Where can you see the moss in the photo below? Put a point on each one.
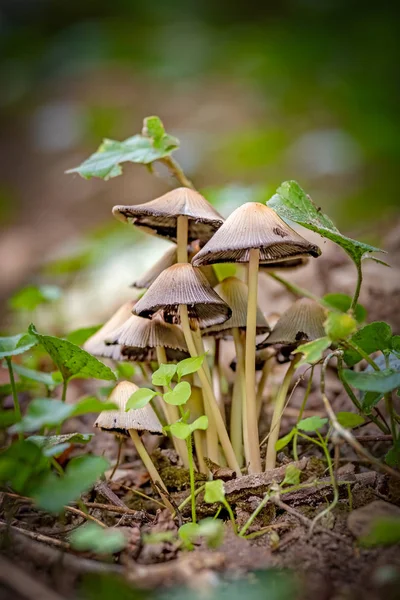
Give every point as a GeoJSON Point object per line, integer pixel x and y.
{"type": "Point", "coordinates": [316, 467]}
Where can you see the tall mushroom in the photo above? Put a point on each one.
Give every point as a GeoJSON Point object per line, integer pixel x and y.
{"type": "Point", "coordinates": [181, 294]}
{"type": "Point", "coordinates": [131, 424]}
{"type": "Point", "coordinates": [253, 234]}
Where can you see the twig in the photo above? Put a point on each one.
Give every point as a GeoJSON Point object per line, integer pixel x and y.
{"type": "Point", "coordinates": [116, 509]}
{"type": "Point", "coordinates": [23, 584]}
{"type": "Point", "coordinates": [38, 537]}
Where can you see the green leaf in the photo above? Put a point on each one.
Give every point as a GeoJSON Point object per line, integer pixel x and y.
{"type": "Point", "coordinates": [312, 351]}
{"type": "Point", "coordinates": [214, 491]}
{"type": "Point", "coordinates": [6, 389]}
{"type": "Point", "coordinates": [311, 424]}
{"type": "Point", "coordinates": [54, 492]}
{"type": "Point", "coordinates": [285, 440]}
{"type": "Point", "coordinates": [54, 445]}
{"type": "Point", "coordinates": [212, 530]}
{"type": "Point", "coordinates": [71, 360]}
{"type": "Point", "coordinates": [91, 404]}
{"type": "Point", "coordinates": [179, 395]}
{"type": "Point", "coordinates": [39, 376]}
{"type": "Point", "coordinates": [200, 423]}
{"type": "Point", "coordinates": [339, 326]}
{"type": "Point", "coordinates": [292, 203]}
{"type": "Point", "coordinates": [392, 457]}
{"type": "Point", "coordinates": [385, 531]}
{"type": "Point", "coordinates": [371, 338]}
{"type": "Point", "coordinates": [125, 370]}
{"type": "Point", "coordinates": [7, 418]}
{"type": "Point", "coordinates": [16, 344]}
{"type": "Point", "coordinates": [342, 302]}
{"type": "Point", "coordinates": [349, 419]}
{"type": "Point", "coordinates": [102, 540]}
{"type": "Point", "coordinates": [189, 365]}
{"type": "Point", "coordinates": [180, 430]}
{"type": "Point", "coordinates": [224, 270]}
{"type": "Point", "coordinates": [164, 375]}
{"type": "Point", "coordinates": [292, 475]}
{"type": "Point", "coordinates": [43, 412]}
{"type": "Point", "coordinates": [140, 398]}
{"type": "Point", "coordinates": [189, 533]}
{"type": "Point", "coordinates": [80, 336]}
{"type": "Point", "coordinates": [22, 467]}
{"type": "Point", "coordinates": [370, 400]}
{"type": "Point", "coordinates": [395, 343]}
{"type": "Point", "coordinates": [152, 145]}
{"type": "Point", "coordinates": [376, 381]}
{"type": "Point", "coordinates": [32, 296]}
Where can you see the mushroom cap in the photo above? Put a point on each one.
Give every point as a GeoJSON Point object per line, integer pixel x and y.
{"type": "Point", "coordinates": [183, 284]}
{"type": "Point", "coordinates": [96, 344]}
{"type": "Point", "coordinates": [254, 225]}
{"type": "Point", "coordinates": [119, 421]}
{"type": "Point", "coordinates": [301, 322]}
{"type": "Point", "coordinates": [291, 263]}
{"type": "Point", "coordinates": [140, 337]}
{"type": "Point", "coordinates": [235, 293]}
{"type": "Point", "coordinates": [160, 215]}
{"type": "Point", "coordinates": [167, 260]}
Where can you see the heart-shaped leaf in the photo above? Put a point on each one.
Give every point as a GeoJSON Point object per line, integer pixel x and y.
{"type": "Point", "coordinates": [179, 395]}
{"type": "Point", "coordinates": [164, 375]}
{"type": "Point", "coordinates": [140, 398]}
{"type": "Point", "coordinates": [311, 424]}
{"type": "Point", "coordinates": [189, 365]}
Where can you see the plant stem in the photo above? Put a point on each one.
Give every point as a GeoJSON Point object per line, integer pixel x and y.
{"type": "Point", "coordinates": [216, 378]}
{"type": "Point", "coordinates": [172, 413]}
{"type": "Point", "coordinates": [390, 411]}
{"type": "Point", "coordinates": [301, 411]}
{"type": "Point", "coordinates": [182, 227]}
{"type": "Point", "coordinates": [334, 484]}
{"type": "Point", "coordinates": [188, 498]}
{"type": "Point", "coordinates": [362, 353]}
{"type": "Point", "coordinates": [230, 513]}
{"type": "Point", "coordinates": [191, 475]}
{"type": "Point", "coordinates": [198, 445]}
{"type": "Point", "coordinates": [261, 385]}
{"type": "Point", "coordinates": [177, 172]}
{"type": "Point", "coordinates": [237, 430]}
{"type": "Point", "coordinates": [64, 390]}
{"type": "Point", "coordinates": [209, 398]}
{"type": "Point", "coordinates": [120, 444]}
{"type": "Point", "coordinates": [17, 407]}
{"type": "Point", "coordinates": [277, 415]}
{"type": "Point", "coordinates": [148, 463]}
{"type": "Point", "coordinates": [254, 458]}
{"type": "Point", "coordinates": [358, 286]}
{"type": "Point", "coordinates": [250, 520]}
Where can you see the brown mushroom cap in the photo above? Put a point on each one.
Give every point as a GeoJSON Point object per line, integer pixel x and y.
{"type": "Point", "coordinates": [291, 263]}
{"type": "Point", "coordinates": [302, 322]}
{"type": "Point", "coordinates": [254, 225]}
{"type": "Point", "coordinates": [183, 284]}
{"type": "Point", "coordinates": [235, 292]}
{"type": "Point", "coordinates": [119, 421]}
{"type": "Point", "coordinates": [140, 337]}
{"type": "Point", "coordinates": [160, 215]}
{"type": "Point", "coordinates": [96, 344]}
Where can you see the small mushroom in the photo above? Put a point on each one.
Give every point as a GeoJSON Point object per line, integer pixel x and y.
{"type": "Point", "coordinates": [97, 345]}
{"type": "Point", "coordinates": [253, 234]}
{"type": "Point", "coordinates": [131, 424]}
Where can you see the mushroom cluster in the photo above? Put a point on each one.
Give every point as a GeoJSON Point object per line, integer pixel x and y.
{"type": "Point", "coordinates": [185, 305]}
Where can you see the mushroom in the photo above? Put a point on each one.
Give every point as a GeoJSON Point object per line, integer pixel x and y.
{"type": "Point", "coordinates": [97, 345]}
{"type": "Point", "coordinates": [253, 234]}
{"type": "Point", "coordinates": [182, 215]}
{"type": "Point", "coordinates": [302, 322]}
{"type": "Point", "coordinates": [131, 424]}
{"type": "Point", "coordinates": [148, 340]}
{"type": "Point", "coordinates": [235, 292]}
{"type": "Point", "coordinates": [181, 294]}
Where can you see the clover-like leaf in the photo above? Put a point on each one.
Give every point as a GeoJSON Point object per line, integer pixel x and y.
{"type": "Point", "coordinates": [311, 424]}
{"type": "Point", "coordinates": [292, 203]}
{"type": "Point", "coordinates": [16, 344]}
{"type": "Point", "coordinates": [189, 365]}
{"type": "Point", "coordinates": [140, 398]}
{"type": "Point", "coordinates": [214, 491]}
{"type": "Point", "coordinates": [312, 351]}
{"type": "Point", "coordinates": [179, 395]}
{"type": "Point", "coordinates": [164, 375]}
{"type": "Point", "coordinates": [71, 360]}
{"type": "Point", "coordinates": [180, 430]}
{"type": "Point", "coordinates": [102, 540]}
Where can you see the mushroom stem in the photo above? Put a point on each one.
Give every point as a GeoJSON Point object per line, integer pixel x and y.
{"type": "Point", "coordinates": [172, 414]}
{"type": "Point", "coordinates": [238, 400]}
{"type": "Point", "coordinates": [216, 379]}
{"type": "Point", "coordinates": [277, 414]}
{"type": "Point", "coordinates": [254, 458]}
{"type": "Point", "coordinates": [148, 463]}
{"type": "Point", "coordinates": [261, 385]}
{"type": "Point", "coordinates": [182, 228]}
{"type": "Point", "coordinates": [209, 397]}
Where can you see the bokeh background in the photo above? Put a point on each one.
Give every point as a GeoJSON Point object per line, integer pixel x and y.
{"type": "Point", "coordinates": [257, 93]}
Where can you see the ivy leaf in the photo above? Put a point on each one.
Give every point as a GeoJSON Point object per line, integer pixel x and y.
{"type": "Point", "coordinates": [339, 326]}
{"type": "Point", "coordinates": [342, 302]}
{"type": "Point", "coordinates": [385, 531]}
{"type": "Point", "coordinates": [214, 491]}
{"type": "Point", "coordinates": [371, 338]}
{"type": "Point", "coordinates": [153, 144]}
{"type": "Point", "coordinates": [80, 336]}
{"type": "Point", "coordinates": [285, 440]}
{"type": "Point", "coordinates": [292, 203]}
{"type": "Point", "coordinates": [179, 395]}
{"type": "Point", "coordinates": [312, 351]}
{"type": "Point", "coordinates": [32, 296]}
{"type": "Point", "coordinates": [46, 378]}
{"type": "Point", "coordinates": [292, 475]}
{"type": "Point", "coordinates": [349, 419]}
{"type": "Point", "coordinates": [102, 540]}
{"type": "Point", "coordinates": [311, 424]}
{"type": "Point", "coordinates": [140, 398]}
{"type": "Point", "coordinates": [189, 365]}
{"type": "Point", "coordinates": [376, 381]}
{"type": "Point", "coordinates": [164, 375]}
{"type": "Point", "coordinates": [81, 474]}
{"type": "Point", "coordinates": [16, 344]}
{"type": "Point", "coordinates": [71, 360]}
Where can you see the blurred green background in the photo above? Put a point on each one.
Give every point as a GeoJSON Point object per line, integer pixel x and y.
{"type": "Point", "coordinates": [257, 93]}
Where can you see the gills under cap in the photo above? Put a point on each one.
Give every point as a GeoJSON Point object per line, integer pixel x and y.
{"type": "Point", "coordinates": [254, 225]}
{"type": "Point", "coordinates": [160, 216]}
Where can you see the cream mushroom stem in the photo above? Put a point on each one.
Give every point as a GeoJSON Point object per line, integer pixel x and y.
{"type": "Point", "coordinates": [172, 413]}
{"type": "Point", "coordinates": [277, 414]}
{"type": "Point", "coordinates": [217, 377]}
{"type": "Point", "coordinates": [148, 463]}
{"type": "Point", "coordinates": [209, 397]}
{"type": "Point", "coordinates": [254, 458]}
{"type": "Point", "coordinates": [182, 230]}
{"type": "Point", "coordinates": [238, 432]}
